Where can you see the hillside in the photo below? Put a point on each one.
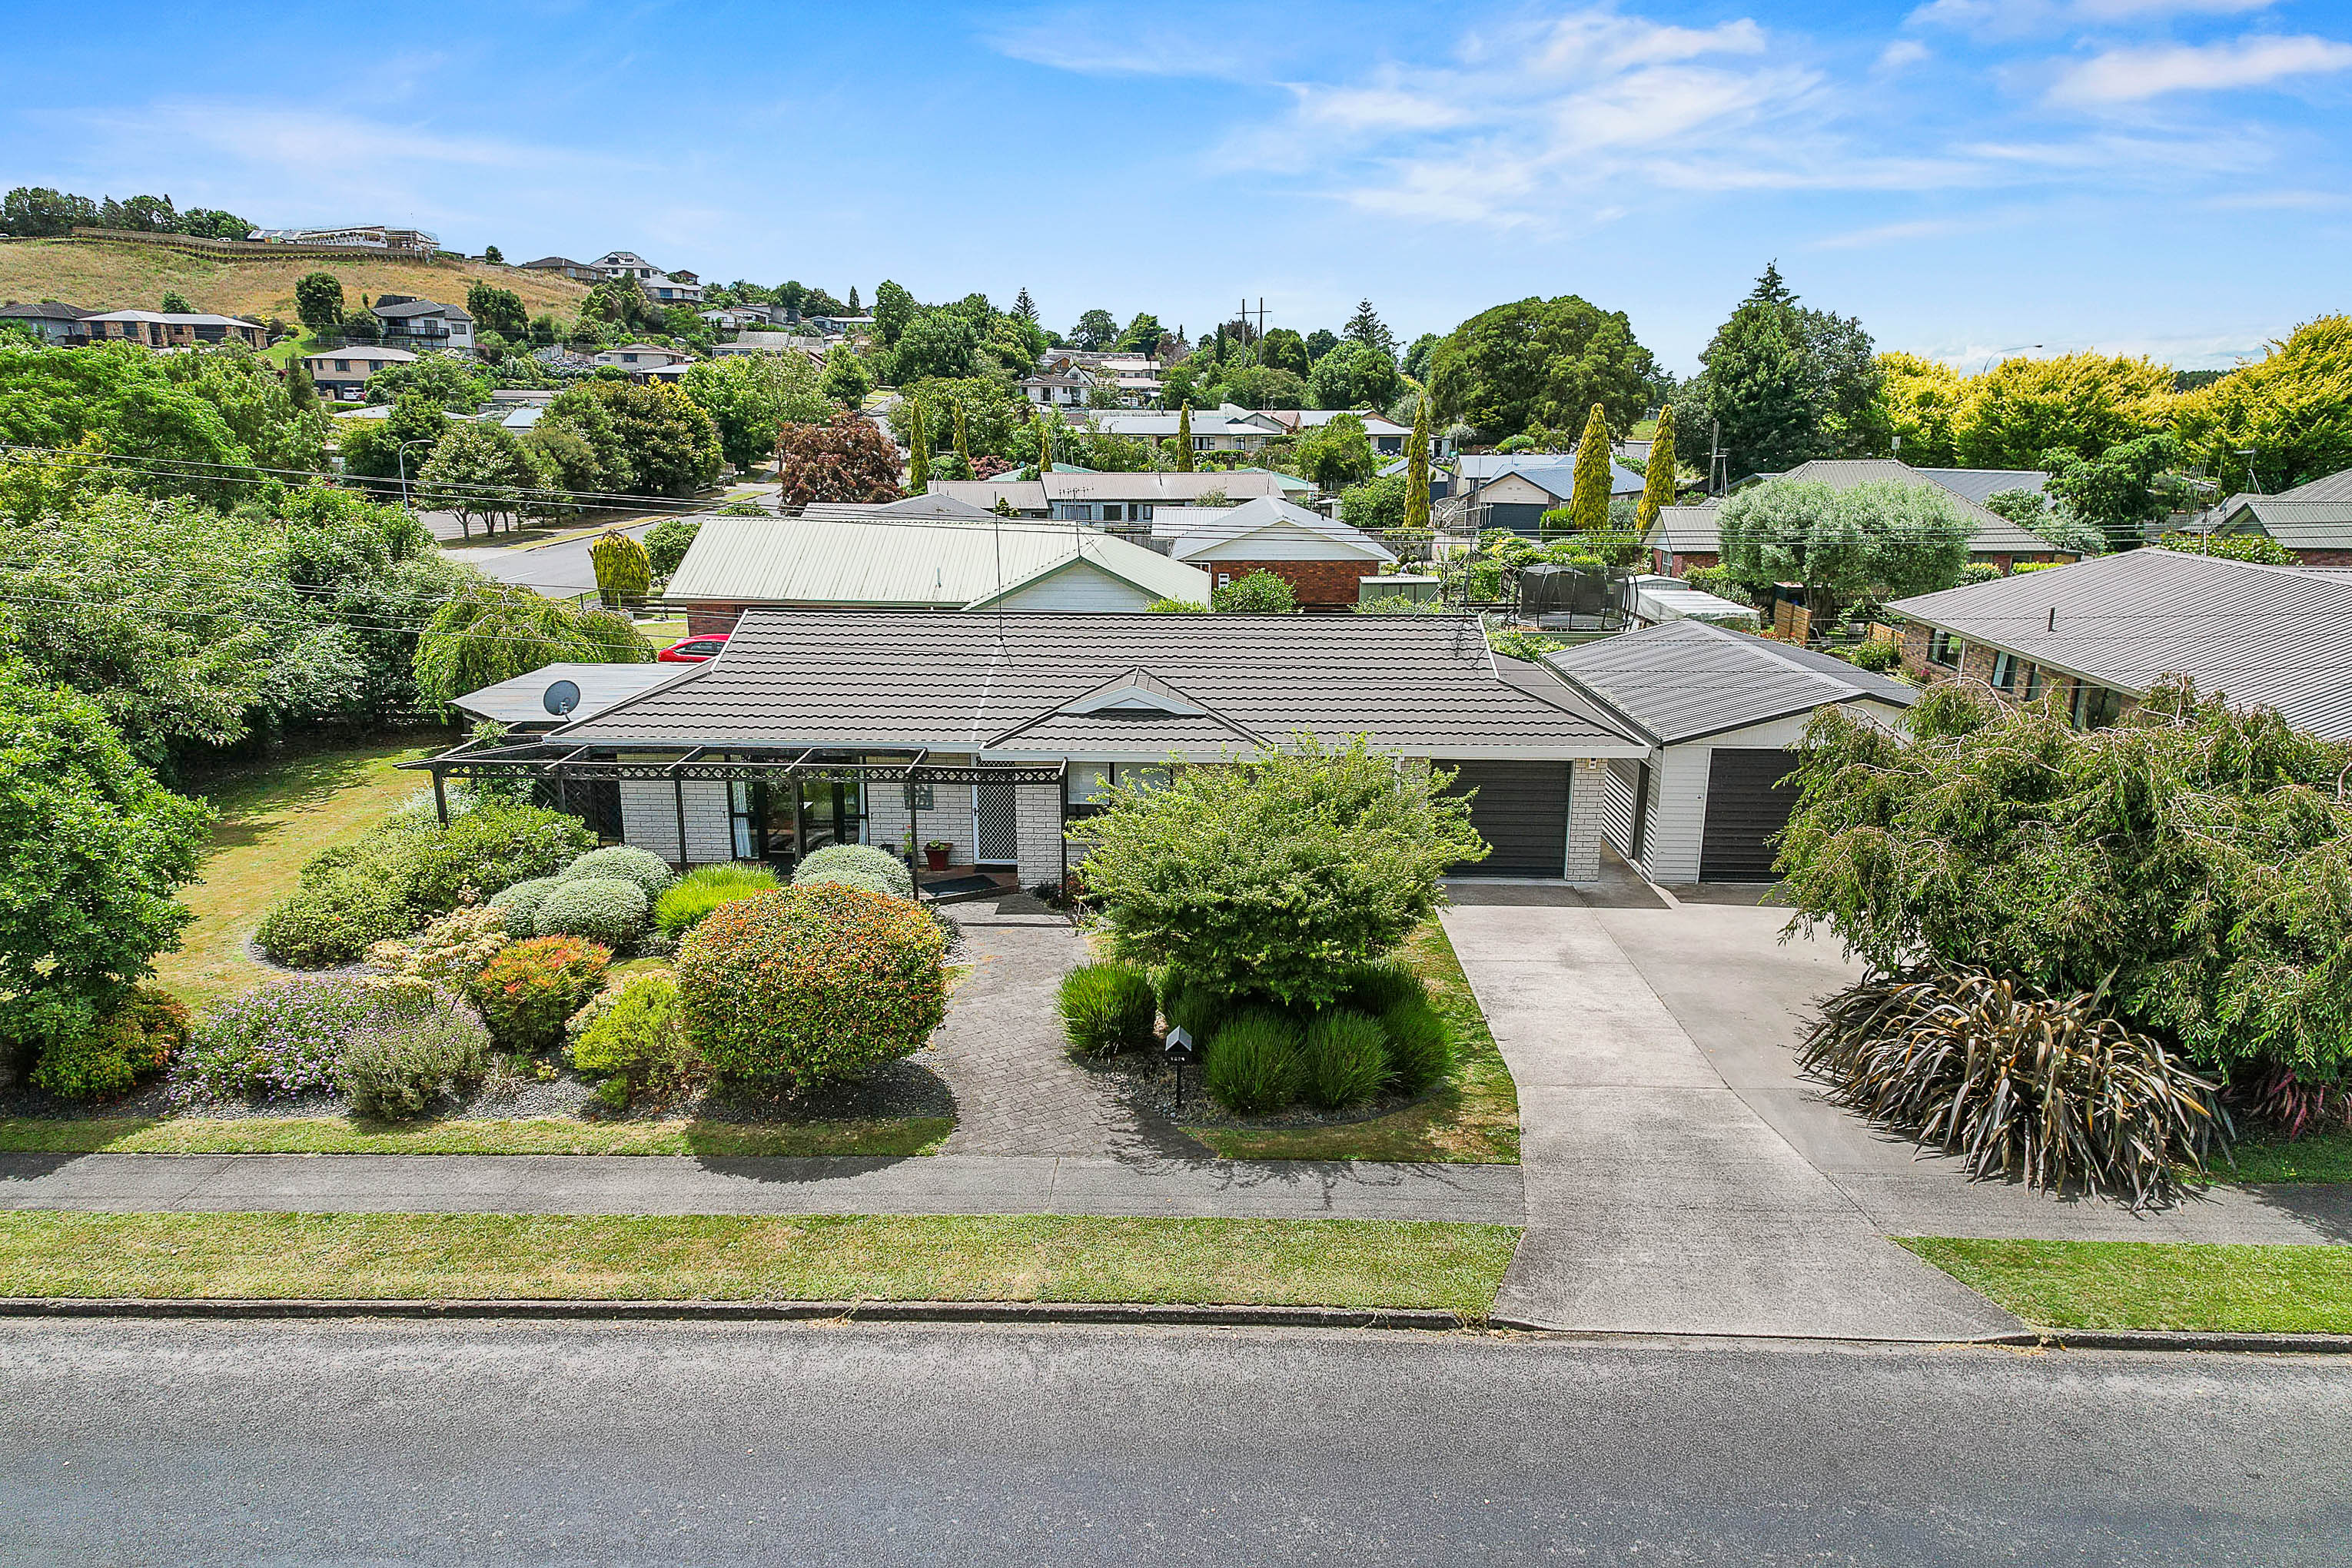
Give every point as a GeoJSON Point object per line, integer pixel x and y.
{"type": "Point", "coordinates": [134, 277]}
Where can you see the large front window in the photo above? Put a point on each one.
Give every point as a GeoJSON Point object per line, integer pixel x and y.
{"type": "Point", "coordinates": [1091, 783]}
{"type": "Point", "coordinates": [786, 819]}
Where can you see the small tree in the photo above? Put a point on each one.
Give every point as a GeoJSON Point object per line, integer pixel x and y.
{"type": "Point", "coordinates": [919, 460]}
{"type": "Point", "coordinates": [1268, 877]}
{"type": "Point", "coordinates": [1877, 540]}
{"type": "Point", "coordinates": [625, 571]}
{"type": "Point", "coordinates": [1658, 473]}
{"type": "Point", "coordinates": [1587, 504]}
{"type": "Point", "coordinates": [666, 545]}
{"type": "Point", "coordinates": [176, 304]}
{"type": "Point", "coordinates": [1337, 455]}
{"type": "Point", "coordinates": [1416, 471]}
{"type": "Point", "coordinates": [1184, 438]}
{"type": "Point", "coordinates": [318, 301]}
{"type": "Point", "coordinates": [494, 256]}
{"type": "Point", "coordinates": [482, 471]}
{"type": "Point", "coordinates": [489, 632]}
{"type": "Point", "coordinates": [844, 459]}
{"type": "Point", "coordinates": [1045, 446]}
{"type": "Point", "coordinates": [1259, 594]}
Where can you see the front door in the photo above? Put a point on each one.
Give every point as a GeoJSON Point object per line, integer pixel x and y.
{"type": "Point", "coordinates": [992, 824]}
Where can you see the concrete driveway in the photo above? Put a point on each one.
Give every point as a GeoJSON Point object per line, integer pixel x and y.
{"type": "Point", "coordinates": [1682, 1178]}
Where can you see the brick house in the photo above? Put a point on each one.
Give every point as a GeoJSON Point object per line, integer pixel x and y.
{"type": "Point", "coordinates": [1323, 561]}
{"type": "Point", "coordinates": [2313, 521]}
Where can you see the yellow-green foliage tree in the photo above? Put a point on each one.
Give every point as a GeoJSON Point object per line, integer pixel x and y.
{"type": "Point", "coordinates": [1587, 504]}
{"type": "Point", "coordinates": [918, 462]}
{"type": "Point", "coordinates": [2293, 407]}
{"type": "Point", "coordinates": [1657, 474]}
{"type": "Point", "coordinates": [1185, 439]}
{"type": "Point", "coordinates": [625, 573]}
{"type": "Point", "coordinates": [1416, 471]}
{"type": "Point", "coordinates": [1923, 402]}
{"type": "Point", "coordinates": [2083, 402]}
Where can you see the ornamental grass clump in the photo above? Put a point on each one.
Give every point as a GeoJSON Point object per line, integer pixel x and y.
{"type": "Point", "coordinates": [1107, 1008]}
{"type": "Point", "coordinates": [701, 891]}
{"type": "Point", "coordinates": [1252, 1065]}
{"type": "Point", "coordinates": [1421, 1045]}
{"type": "Point", "coordinates": [855, 866]}
{"type": "Point", "coordinates": [1383, 983]}
{"type": "Point", "coordinates": [1190, 1006]}
{"type": "Point", "coordinates": [1343, 1060]}
{"type": "Point", "coordinates": [792, 990]}
{"type": "Point", "coordinates": [2049, 1090]}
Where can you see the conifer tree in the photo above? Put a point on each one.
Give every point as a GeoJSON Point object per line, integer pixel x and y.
{"type": "Point", "coordinates": [919, 465]}
{"type": "Point", "coordinates": [1024, 307]}
{"type": "Point", "coordinates": [1587, 504]}
{"type": "Point", "coordinates": [962, 443]}
{"type": "Point", "coordinates": [1658, 473]}
{"type": "Point", "coordinates": [1416, 471]}
{"type": "Point", "coordinates": [852, 300]}
{"type": "Point", "coordinates": [1045, 448]}
{"type": "Point", "coordinates": [1184, 438]}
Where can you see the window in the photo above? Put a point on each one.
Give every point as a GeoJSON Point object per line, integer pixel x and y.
{"type": "Point", "coordinates": [2097, 707]}
{"type": "Point", "coordinates": [343, 365]}
{"type": "Point", "coordinates": [1090, 782]}
{"type": "Point", "coordinates": [2033, 683]}
{"type": "Point", "coordinates": [1944, 648]}
{"type": "Point", "coordinates": [2004, 670]}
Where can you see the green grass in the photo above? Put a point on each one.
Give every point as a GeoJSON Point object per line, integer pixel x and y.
{"type": "Point", "coordinates": [2155, 1285]}
{"type": "Point", "coordinates": [2325, 1157]}
{"type": "Point", "coordinates": [274, 815]}
{"type": "Point", "coordinates": [1473, 1120]}
{"type": "Point", "coordinates": [533, 1135]}
{"type": "Point", "coordinates": [1032, 1257]}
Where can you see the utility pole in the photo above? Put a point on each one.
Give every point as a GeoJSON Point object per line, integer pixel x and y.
{"type": "Point", "coordinates": [1719, 462]}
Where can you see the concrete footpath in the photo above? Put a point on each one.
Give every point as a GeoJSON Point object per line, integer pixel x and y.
{"type": "Point", "coordinates": [614, 1184]}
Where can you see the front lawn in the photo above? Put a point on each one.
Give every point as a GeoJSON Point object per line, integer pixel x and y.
{"type": "Point", "coordinates": [2155, 1285]}
{"type": "Point", "coordinates": [1031, 1258]}
{"type": "Point", "coordinates": [2322, 1157]}
{"type": "Point", "coordinates": [274, 815]}
{"type": "Point", "coordinates": [521, 1135]}
{"type": "Point", "coordinates": [1473, 1119]}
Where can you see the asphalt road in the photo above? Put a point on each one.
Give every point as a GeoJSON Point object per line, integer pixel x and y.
{"type": "Point", "coordinates": [559, 570]}
{"type": "Point", "coordinates": [129, 1442]}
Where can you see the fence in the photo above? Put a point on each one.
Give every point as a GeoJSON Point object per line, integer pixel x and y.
{"type": "Point", "coordinates": [252, 250]}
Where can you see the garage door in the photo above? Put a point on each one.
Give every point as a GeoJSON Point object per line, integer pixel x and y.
{"type": "Point", "coordinates": [1520, 809]}
{"type": "Point", "coordinates": [1745, 804]}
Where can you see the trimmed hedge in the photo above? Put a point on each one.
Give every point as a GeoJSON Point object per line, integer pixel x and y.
{"type": "Point", "coordinates": [1253, 1064]}
{"type": "Point", "coordinates": [699, 892]}
{"type": "Point", "coordinates": [1106, 1008]}
{"type": "Point", "coordinates": [630, 864]}
{"type": "Point", "coordinates": [531, 987]}
{"type": "Point", "coordinates": [609, 910]}
{"type": "Point", "coordinates": [1344, 1060]}
{"type": "Point", "coordinates": [888, 873]}
{"type": "Point", "coordinates": [796, 988]}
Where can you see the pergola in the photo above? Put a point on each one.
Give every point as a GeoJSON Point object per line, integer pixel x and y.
{"type": "Point", "coordinates": [561, 765]}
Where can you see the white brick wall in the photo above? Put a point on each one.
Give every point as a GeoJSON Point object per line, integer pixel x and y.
{"type": "Point", "coordinates": [1586, 781]}
{"type": "Point", "coordinates": [949, 816]}
{"type": "Point", "coordinates": [1037, 832]}
{"type": "Point", "coordinates": [649, 819]}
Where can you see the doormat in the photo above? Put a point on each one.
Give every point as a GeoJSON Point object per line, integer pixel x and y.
{"type": "Point", "coordinates": [956, 885]}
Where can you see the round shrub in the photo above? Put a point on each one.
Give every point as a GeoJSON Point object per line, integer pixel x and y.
{"type": "Point", "coordinates": [140, 1036]}
{"type": "Point", "coordinates": [858, 876]}
{"type": "Point", "coordinates": [699, 892]}
{"type": "Point", "coordinates": [393, 1069]}
{"type": "Point", "coordinates": [1190, 1006]}
{"type": "Point", "coordinates": [1377, 986]}
{"type": "Point", "coordinates": [818, 865]}
{"type": "Point", "coordinates": [332, 919]}
{"type": "Point", "coordinates": [1252, 1065]}
{"type": "Point", "coordinates": [1419, 1045]}
{"type": "Point", "coordinates": [1106, 1008]}
{"type": "Point", "coordinates": [520, 902]}
{"type": "Point", "coordinates": [531, 987]}
{"type": "Point", "coordinates": [601, 909]}
{"type": "Point", "coordinates": [631, 1037]}
{"type": "Point", "coordinates": [796, 988]}
{"type": "Point", "coordinates": [629, 863]}
{"type": "Point", "coordinates": [1344, 1060]}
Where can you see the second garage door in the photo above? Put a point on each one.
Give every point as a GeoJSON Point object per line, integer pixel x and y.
{"type": "Point", "coordinates": [1745, 804]}
{"type": "Point", "coordinates": [1521, 811]}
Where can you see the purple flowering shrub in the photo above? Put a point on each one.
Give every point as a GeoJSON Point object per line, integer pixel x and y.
{"type": "Point", "coordinates": [286, 1039]}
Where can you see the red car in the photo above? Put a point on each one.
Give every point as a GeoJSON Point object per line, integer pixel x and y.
{"type": "Point", "coordinates": [692, 651]}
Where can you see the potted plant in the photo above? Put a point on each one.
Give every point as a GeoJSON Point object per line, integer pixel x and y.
{"type": "Point", "coordinates": [934, 855]}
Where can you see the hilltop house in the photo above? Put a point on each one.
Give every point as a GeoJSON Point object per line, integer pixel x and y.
{"type": "Point", "coordinates": [341, 375]}
{"type": "Point", "coordinates": [410, 322]}
{"type": "Point", "coordinates": [168, 330]}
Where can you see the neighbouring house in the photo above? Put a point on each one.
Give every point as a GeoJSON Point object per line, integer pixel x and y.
{"type": "Point", "coordinates": [50, 321]}
{"type": "Point", "coordinates": [564, 267]}
{"type": "Point", "coordinates": [1228, 427]}
{"type": "Point", "coordinates": [2313, 521]}
{"type": "Point", "coordinates": [735, 318]}
{"type": "Point", "coordinates": [160, 329]}
{"type": "Point", "coordinates": [923, 506]}
{"type": "Point", "coordinates": [642, 356]}
{"type": "Point", "coordinates": [1323, 561]}
{"type": "Point", "coordinates": [912, 561]}
{"type": "Point", "coordinates": [1998, 542]}
{"type": "Point", "coordinates": [1717, 710]}
{"type": "Point", "coordinates": [341, 375]}
{"type": "Point", "coordinates": [1685, 538]}
{"type": "Point", "coordinates": [381, 236]}
{"type": "Point", "coordinates": [414, 323]}
{"type": "Point", "coordinates": [1136, 376]}
{"type": "Point", "coordinates": [772, 344]}
{"type": "Point", "coordinates": [1057, 389]}
{"type": "Point", "coordinates": [2100, 632]}
{"type": "Point", "coordinates": [1513, 495]}
{"type": "Point", "coordinates": [1085, 495]}
{"type": "Point", "coordinates": [839, 326]}
{"type": "Point", "coordinates": [1387, 436]}
{"type": "Point", "coordinates": [997, 732]}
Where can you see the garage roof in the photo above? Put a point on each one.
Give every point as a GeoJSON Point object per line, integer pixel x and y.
{"type": "Point", "coordinates": [1684, 680]}
{"type": "Point", "coordinates": [521, 699]}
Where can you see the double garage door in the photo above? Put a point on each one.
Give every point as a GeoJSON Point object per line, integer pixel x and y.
{"type": "Point", "coordinates": [1520, 809]}
{"type": "Point", "coordinates": [1747, 803]}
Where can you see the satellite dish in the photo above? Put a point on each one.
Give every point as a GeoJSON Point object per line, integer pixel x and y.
{"type": "Point", "coordinates": [561, 697]}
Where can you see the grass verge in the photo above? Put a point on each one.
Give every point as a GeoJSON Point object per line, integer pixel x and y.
{"type": "Point", "coordinates": [2324, 1157]}
{"type": "Point", "coordinates": [1474, 1119]}
{"type": "Point", "coordinates": [534, 1135]}
{"type": "Point", "coordinates": [1029, 1257]}
{"type": "Point", "coordinates": [2155, 1285]}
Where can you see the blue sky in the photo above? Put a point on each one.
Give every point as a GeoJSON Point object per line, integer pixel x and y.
{"type": "Point", "coordinates": [1968, 176]}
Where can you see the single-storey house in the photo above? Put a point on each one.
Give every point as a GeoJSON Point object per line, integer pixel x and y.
{"type": "Point", "coordinates": [1685, 538]}
{"type": "Point", "coordinates": [341, 375]}
{"type": "Point", "coordinates": [1718, 711]}
{"type": "Point", "coordinates": [564, 266]}
{"type": "Point", "coordinates": [1650, 598]}
{"type": "Point", "coordinates": [2099, 633]}
{"type": "Point", "coordinates": [1087, 496]}
{"type": "Point", "coordinates": [757, 342]}
{"type": "Point", "coordinates": [50, 321]}
{"type": "Point", "coordinates": [1387, 436]}
{"type": "Point", "coordinates": [1228, 427]}
{"type": "Point", "coordinates": [1515, 495]}
{"type": "Point", "coordinates": [169, 330]}
{"type": "Point", "coordinates": [1323, 561]}
{"type": "Point", "coordinates": [997, 734]}
{"type": "Point", "coordinates": [903, 563]}
{"type": "Point", "coordinates": [642, 356]}
{"type": "Point", "coordinates": [2313, 521]}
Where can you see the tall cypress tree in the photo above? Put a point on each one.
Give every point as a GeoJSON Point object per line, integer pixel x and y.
{"type": "Point", "coordinates": [1184, 438]}
{"type": "Point", "coordinates": [1416, 471]}
{"type": "Point", "coordinates": [1045, 448]}
{"type": "Point", "coordinates": [1587, 504]}
{"type": "Point", "coordinates": [1658, 473]}
{"type": "Point", "coordinates": [962, 444]}
{"type": "Point", "coordinates": [918, 466]}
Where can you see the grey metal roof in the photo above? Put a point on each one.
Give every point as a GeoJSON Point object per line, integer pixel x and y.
{"type": "Point", "coordinates": [905, 506]}
{"type": "Point", "coordinates": [1162, 490]}
{"type": "Point", "coordinates": [1557, 475]}
{"type": "Point", "coordinates": [1981, 485]}
{"type": "Point", "coordinates": [2296, 524]}
{"type": "Point", "coordinates": [1212, 526]}
{"type": "Point", "coordinates": [43, 310]}
{"type": "Point", "coordinates": [1682, 680]}
{"type": "Point", "coordinates": [1420, 685]}
{"type": "Point", "coordinates": [404, 308]}
{"type": "Point", "coordinates": [2278, 637]}
{"type": "Point", "coordinates": [1688, 530]}
{"type": "Point", "coordinates": [1995, 534]}
{"type": "Point", "coordinates": [909, 561]}
{"type": "Point", "coordinates": [2332, 486]}
{"type": "Point", "coordinates": [521, 699]}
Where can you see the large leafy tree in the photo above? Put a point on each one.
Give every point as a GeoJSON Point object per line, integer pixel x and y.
{"type": "Point", "coordinates": [1538, 362]}
{"type": "Point", "coordinates": [318, 301]}
{"type": "Point", "coordinates": [1869, 542]}
{"type": "Point", "coordinates": [500, 310]}
{"type": "Point", "coordinates": [34, 211]}
{"type": "Point", "coordinates": [1283, 349]}
{"type": "Point", "coordinates": [751, 397]}
{"type": "Point", "coordinates": [936, 343]}
{"type": "Point", "coordinates": [1787, 385]}
{"type": "Point", "coordinates": [2086, 403]}
{"type": "Point", "coordinates": [1924, 404]}
{"type": "Point", "coordinates": [1096, 330]}
{"type": "Point", "coordinates": [894, 311]}
{"type": "Point", "coordinates": [672, 446]}
{"type": "Point", "coordinates": [1336, 454]}
{"type": "Point", "coordinates": [92, 850]}
{"type": "Point", "coordinates": [991, 416]}
{"type": "Point", "coordinates": [451, 380]}
{"type": "Point", "coordinates": [1354, 375]}
{"type": "Point", "coordinates": [483, 471]}
{"type": "Point", "coordinates": [489, 631]}
{"type": "Point", "coordinates": [846, 458]}
{"type": "Point", "coordinates": [1142, 335]}
{"type": "Point", "coordinates": [2292, 409]}
{"type": "Point", "coordinates": [2122, 489]}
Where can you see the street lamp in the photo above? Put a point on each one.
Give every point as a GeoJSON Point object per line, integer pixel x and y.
{"type": "Point", "coordinates": [401, 453]}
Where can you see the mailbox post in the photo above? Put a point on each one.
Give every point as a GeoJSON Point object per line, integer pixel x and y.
{"type": "Point", "coordinates": [1180, 1052]}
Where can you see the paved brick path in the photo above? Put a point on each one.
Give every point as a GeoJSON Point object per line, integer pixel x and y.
{"type": "Point", "coordinates": [1001, 1052]}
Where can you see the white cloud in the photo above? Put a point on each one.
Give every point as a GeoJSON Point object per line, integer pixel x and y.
{"type": "Point", "coordinates": [2020, 18]}
{"type": "Point", "coordinates": [2129, 75]}
{"type": "Point", "coordinates": [1890, 232]}
{"type": "Point", "coordinates": [1902, 52]}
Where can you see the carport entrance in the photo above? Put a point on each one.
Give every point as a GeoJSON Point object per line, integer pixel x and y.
{"type": "Point", "coordinates": [1745, 804]}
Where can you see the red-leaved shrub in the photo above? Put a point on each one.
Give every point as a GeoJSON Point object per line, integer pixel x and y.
{"type": "Point", "coordinates": [531, 987]}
